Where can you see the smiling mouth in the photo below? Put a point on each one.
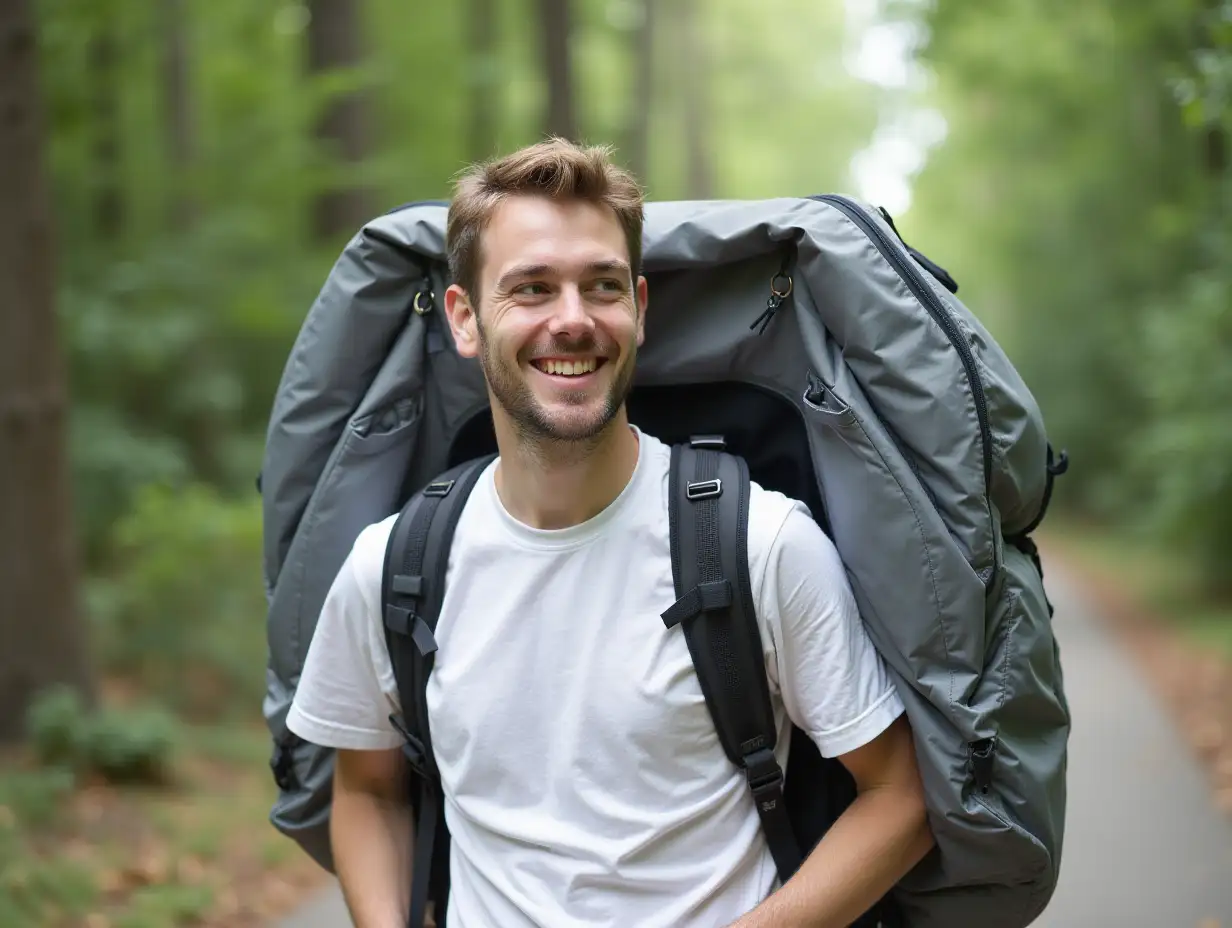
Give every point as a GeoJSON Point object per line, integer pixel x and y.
{"type": "Point", "coordinates": [573, 367]}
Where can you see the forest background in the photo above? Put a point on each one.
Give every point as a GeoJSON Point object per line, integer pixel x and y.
{"type": "Point", "coordinates": [177, 177]}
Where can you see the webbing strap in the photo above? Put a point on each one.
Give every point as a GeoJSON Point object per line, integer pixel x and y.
{"type": "Point", "coordinates": [426, 824]}
{"type": "Point", "coordinates": [413, 589]}
{"type": "Point", "coordinates": [708, 515]}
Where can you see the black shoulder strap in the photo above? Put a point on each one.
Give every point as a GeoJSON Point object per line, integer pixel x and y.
{"type": "Point", "coordinates": [412, 590]}
{"type": "Point", "coordinates": [709, 515]}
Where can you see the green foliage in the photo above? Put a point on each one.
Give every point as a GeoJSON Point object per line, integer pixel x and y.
{"type": "Point", "coordinates": [167, 904]}
{"type": "Point", "coordinates": [54, 723]}
{"type": "Point", "coordinates": [178, 332]}
{"type": "Point", "coordinates": [35, 893]}
{"type": "Point", "coordinates": [123, 746]}
{"type": "Point", "coordinates": [183, 609]}
{"type": "Point", "coordinates": [1183, 465]}
{"type": "Point", "coordinates": [32, 799]}
{"type": "Point", "coordinates": [199, 351]}
{"type": "Point", "coordinates": [1082, 199]}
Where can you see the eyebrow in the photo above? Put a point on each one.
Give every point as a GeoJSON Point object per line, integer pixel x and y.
{"type": "Point", "coordinates": [536, 270]}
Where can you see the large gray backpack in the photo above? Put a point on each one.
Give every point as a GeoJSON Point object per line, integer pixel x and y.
{"type": "Point", "coordinates": [840, 367]}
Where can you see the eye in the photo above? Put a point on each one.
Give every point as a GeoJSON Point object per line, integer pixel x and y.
{"type": "Point", "coordinates": [531, 289]}
{"type": "Point", "coordinates": [610, 285]}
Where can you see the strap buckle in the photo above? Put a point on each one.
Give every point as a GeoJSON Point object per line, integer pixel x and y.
{"type": "Point", "coordinates": [703, 489]}
{"type": "Point", "coordinates": [438, 488]}
{"type": "Point", "coordinates": [412, 747]}
{"type": "Point", "coordinates": [765, 778]}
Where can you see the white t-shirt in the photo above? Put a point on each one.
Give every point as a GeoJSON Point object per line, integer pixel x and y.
{"type": "Point", "coordinates": [584, 782]}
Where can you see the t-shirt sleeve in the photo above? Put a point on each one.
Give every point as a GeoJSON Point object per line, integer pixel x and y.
{"type": "Point", "coordinates": [834, 684]}
{"type": "Point", "coordinates": [340, 701]}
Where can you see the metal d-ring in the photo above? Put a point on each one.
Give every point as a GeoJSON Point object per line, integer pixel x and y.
{"type": "Point", "coordinates": [423, 309]}
{"type": "Point", "coordinates": [781, 294]}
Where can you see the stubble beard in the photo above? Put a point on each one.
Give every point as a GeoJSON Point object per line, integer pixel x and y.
{"type": "Point", "coordinates": [537, 429]}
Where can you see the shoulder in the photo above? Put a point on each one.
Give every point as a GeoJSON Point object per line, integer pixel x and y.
{"type": "Point", "coordinates": [781, 529]}
{"type": "Point", "coordinates": [798, 577]}
{"type": "Point", "coordinates": [364, 568]}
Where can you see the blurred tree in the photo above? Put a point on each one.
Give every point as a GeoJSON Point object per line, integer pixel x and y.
{"type": "Point", "coordinates": [342, 130]}
{"type": "Point", "coordinates": [42, 640]}
{"type": "Point", "coordinates": [107, 167]}
{"type": "Point", "coordinates": [483, 76]}
{"type": "Point", "coordinates": [693, 74]}
{"type": "Point", "coordinates": [178, 125]}
{"type": "Point", "coordinates": [637, 133]}
{"type": "Point", "coordinates": [556, 32]}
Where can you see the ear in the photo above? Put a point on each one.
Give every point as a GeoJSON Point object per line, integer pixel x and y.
{"type": "Point", "coordinates": [462, 321]}
{"type": "Point", "coordinates": [643, 298]}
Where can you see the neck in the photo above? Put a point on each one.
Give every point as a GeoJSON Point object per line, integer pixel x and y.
{"type": "Point", "coordinates": [554, 485]}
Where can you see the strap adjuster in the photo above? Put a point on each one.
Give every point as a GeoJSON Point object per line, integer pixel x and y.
{"type": "Point", "coordinates": [408, 622]}
{"type": "Point", "coordinates": [705, 597]}
{"type": "Point", "coordinates": [407, 584]}
{"type": "Point", "coordinates": [703, 489]}
{"type": "Point", "coordinates": [412, 747]}
{"type": "Point", "coordinates": [716, 442]}
{"type": "Point", "coordinates": [438, 488]}
{"type": "Point", "coordinates": [763, 772]}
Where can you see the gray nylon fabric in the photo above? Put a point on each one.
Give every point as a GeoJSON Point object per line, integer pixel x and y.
{"type": "Point", "coordinates": [373, 397]}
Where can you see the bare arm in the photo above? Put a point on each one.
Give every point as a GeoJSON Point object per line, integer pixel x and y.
{"type": "Point", "coordinates": [371, 835]}
{"type": "Point", "coordinates": [880, 836]}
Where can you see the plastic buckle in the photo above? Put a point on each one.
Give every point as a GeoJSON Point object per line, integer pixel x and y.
{"type": "Point", "coordinates": [703, 489]}
{"type": "Point", "coordinates": [412, 747]}
{"type": "Point", "coordinates": [438, 488]}
{"type": "Point", "coordinates": [765, 779]}
{"type": "Point", "coordinates": [763, 771]}
{"type": "Point", "coordinates": [715, 442]}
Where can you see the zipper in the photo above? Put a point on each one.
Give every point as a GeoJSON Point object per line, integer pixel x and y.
{"type": "Point", "coordinates": [941, 315]}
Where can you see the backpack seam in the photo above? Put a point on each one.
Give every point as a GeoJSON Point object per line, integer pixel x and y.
{"type": "Point", "coordinates": [1008, 650]}
{"type": "Point", "coordinates": [924, 543]}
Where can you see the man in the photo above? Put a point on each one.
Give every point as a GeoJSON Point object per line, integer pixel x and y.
{"type": "Point", "coordinates": [583, 779]}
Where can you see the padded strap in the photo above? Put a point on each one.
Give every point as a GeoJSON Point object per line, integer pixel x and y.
{"type": "Point", "coordinates": [708, 515]}
{"type": "Point", "coordinates": [412, 591]}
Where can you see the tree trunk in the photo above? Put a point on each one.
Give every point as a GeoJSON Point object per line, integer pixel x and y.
{"type": "Point", "coordinates": [638, 143]}
{"type": "Point", "coordinates": [42, 639]}
{"type": "Point", "coordinates": [485, 88]}
{"type": "Point", "coordinates": [334, 32]}
{"type": "Point", "coordinates": [178, 122]}
{"type": "Point", "coordinates": [560, 117]}
{"type": "Point", "coordinates": [204, 433]}
{"type": "Point", "coordinates": [108, 191]}
{"type": "Point", "coordinates": [695, 79]}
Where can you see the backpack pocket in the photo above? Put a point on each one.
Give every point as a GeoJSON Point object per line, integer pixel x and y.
{"type": "Point", "coordinates": [879, 514]}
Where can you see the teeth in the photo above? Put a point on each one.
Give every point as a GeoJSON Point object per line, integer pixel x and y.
{"type": "Point", "coordinates": [569, 368]}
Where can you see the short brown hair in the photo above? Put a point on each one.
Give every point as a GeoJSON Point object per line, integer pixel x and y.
{"type": "Point", "coordinates": [556, 168]}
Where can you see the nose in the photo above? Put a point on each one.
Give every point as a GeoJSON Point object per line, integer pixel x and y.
{"type": "Point", "coordinates": [569, 316]}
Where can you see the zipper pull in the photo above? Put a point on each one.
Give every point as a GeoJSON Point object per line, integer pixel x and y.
{"type": "Point", "coordinates": [780, 289]}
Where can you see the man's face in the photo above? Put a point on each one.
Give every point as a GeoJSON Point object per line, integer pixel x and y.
{"type": "Point", "coordinates": [558, 317]}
